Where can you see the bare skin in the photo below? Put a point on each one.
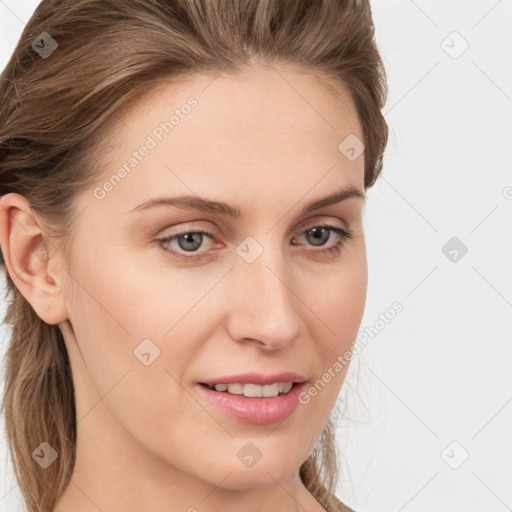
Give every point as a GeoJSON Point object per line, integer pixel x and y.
{"type": "Point", "coordinates": [147, 438]}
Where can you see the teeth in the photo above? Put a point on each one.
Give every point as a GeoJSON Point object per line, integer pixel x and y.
{"type": "Point", "coordinates": [255, 390]}
{"type": "Point", "coordinates": [235, 389]}
{"type": "Point", "coordinates": [284, 387]}
{"type": "Point", "coordinates": [270, 389]}
{"type": "Point", "coordinates": [252, 390]}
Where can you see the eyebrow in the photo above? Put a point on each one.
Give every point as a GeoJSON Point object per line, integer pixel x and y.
{"type": "Point", "coordinates": [218, 207]}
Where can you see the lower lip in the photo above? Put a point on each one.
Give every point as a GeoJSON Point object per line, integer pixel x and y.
{"type": "Point", "coordinates": [261, 411]}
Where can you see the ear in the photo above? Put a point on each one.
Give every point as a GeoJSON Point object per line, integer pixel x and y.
{"type": "Point", "coordinates": [31, 259]}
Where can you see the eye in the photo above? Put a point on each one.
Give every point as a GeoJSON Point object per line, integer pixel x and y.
{"type": "Point", "coordinates": [320, 234]}
{"type": "Point", "coordinates": [188, 241]}
{"type": "Point", "coordinates": [191, 241]}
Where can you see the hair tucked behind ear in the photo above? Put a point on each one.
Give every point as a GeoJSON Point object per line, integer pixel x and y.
{"type": "Point", "coordinates": [55, 115]}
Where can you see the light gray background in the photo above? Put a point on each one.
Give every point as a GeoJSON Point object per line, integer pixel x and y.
{"type": "Point", "coordinates": [434, 384]}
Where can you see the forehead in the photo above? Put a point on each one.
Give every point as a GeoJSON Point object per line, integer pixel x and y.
{"type": "Point", "coordinates": [210, 132]}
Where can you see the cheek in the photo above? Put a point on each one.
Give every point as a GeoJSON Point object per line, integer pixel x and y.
{"type": "Point", "coordinates": [118, 314]}
{"type": "Point", "coordinates": [131, 313]}
{"type": "Point", "coordinates": [344, 303]}
{"type": "Point", "coordinates": [339, 308]}
{"type": "Point", "coordinates": [339, 301]}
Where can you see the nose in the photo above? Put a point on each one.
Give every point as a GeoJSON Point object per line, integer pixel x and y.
{"type": "Point", "coordinates": [262, 304]}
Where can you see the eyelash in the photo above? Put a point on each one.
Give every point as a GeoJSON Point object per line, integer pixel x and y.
{"type": "Point", "coordinates": [331, 251]}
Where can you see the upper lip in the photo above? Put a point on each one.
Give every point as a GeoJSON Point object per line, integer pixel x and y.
{"type": "Point", "coordinates": [256, 378]}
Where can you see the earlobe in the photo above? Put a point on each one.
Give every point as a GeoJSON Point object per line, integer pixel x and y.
{"type": "Point", "coordinates": [27, 256]}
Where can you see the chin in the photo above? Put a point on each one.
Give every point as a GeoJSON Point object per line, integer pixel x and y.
{"type": "Point", "coordinates": [246, 479]}
{"type": "Point", "coordinates": [264, 473]}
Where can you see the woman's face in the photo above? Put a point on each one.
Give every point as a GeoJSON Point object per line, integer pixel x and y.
{"type": "Point", "coordinates": [262, 292]}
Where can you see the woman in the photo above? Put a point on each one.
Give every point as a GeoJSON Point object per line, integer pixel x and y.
{"type": "Point", "coordinates": [182, 192]}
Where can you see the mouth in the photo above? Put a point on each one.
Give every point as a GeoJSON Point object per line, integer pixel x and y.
{"type": "Point", "coordinates": [253, 403]}
{"type": "Point", "coordinates": [253, 390]}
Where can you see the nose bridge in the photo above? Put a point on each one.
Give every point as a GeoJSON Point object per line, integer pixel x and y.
{"type": "Point", "coordinates": [262, 305]}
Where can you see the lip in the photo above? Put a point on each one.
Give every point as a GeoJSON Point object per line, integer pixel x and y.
{"type": "Point", "coordinates": [257, 410]}
{"type": "Point", "coordinates": [257, 378]}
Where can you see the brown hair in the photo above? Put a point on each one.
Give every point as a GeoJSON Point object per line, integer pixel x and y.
{"type": "Point", "coordinates": [55, 113]}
